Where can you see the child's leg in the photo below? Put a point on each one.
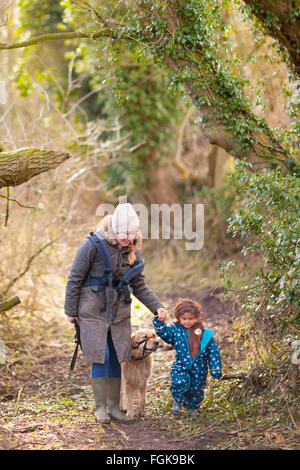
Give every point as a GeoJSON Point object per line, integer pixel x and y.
{"type": "Point", "coordinates": [194, 402]}
{"type": "Point", "coordinates": [180, 383]}
{"type": "Point", "coordinates": [176, 407]}
{"type": "Point", "coordinates": [195, 394]}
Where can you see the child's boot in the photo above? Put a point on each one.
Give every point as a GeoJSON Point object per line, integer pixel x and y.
{"type": "Point", "coordinates": [99, 391]}
{"type": "Point", "coordinates": [176, 407]}
{"type": "Point", "coordinates": [113, 393]}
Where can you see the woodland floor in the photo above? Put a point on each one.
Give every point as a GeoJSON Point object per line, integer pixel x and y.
{"type": "Point", "coordinates": [45, 406]}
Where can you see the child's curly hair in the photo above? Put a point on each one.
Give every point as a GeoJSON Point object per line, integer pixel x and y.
{"type": "Point", "coordinates": [185, 305]}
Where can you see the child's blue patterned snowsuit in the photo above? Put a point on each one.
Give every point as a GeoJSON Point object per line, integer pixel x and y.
{"type": "Point", "coordinates": [188, 376]}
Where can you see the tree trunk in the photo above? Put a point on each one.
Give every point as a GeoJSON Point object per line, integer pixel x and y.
{"type": "Point", "coordinates": [281, 21]}
{"type": "Point", "coordinates": [262, 149]}
{"type": "Point", "coordinates": [19, 166]}
{"type": "Point", "coordinates": [191, 57]}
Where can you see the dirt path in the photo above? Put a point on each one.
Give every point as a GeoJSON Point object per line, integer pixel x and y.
{"type": "Point", "coordinates": [58, 414]}
{"type": "Point", "coordinates": [50, 407]}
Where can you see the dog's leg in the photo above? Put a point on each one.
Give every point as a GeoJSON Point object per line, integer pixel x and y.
{"type": "Point", "coordinates": [123, 401]}
{"type": "Point", "coordinates": [142, 401]}
{"type": "Point", "coordinates": [129, 391]}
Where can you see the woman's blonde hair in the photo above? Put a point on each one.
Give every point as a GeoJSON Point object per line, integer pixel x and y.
{"type": "Point", "coordinates": [185, 305]}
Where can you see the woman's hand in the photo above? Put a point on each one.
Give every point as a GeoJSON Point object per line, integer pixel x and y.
{"type": "Point", "coordinates": [72, 319]}
{"type": "Point", "coordinates": [162, 314]}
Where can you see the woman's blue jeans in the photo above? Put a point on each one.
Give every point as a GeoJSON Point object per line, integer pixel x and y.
{"type": "Point", "coordinates": [111, 367]}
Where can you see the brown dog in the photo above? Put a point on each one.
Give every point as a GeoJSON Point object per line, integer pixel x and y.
{"type": "Point", "coordinates": [136, 373]}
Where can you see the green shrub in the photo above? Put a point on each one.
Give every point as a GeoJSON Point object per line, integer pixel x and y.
{"type": "Point", "coordinates": [267, 220]}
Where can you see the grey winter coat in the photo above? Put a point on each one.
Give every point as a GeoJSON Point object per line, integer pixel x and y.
{"type": "Point", "coordinates": [86, 304]}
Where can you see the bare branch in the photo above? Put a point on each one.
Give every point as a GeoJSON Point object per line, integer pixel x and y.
{"type": "Point", "coordinates": [4, 18]}
{"type": "Point", "coordinates": [17, 202]}
{"type": "Point", "coordinates": [186, 172]}
{"type": "Point", "coordinates": [57, 37]}
{"type": "Point", "coordinates": [18, 166]}
{"type": "Point", "coordinates": [28, 264]}
{"type": "Point", "coordinates": [7, 304]}
{"type": "Point", "coordinates": [83, 98]}
{"type": "Point", "coordinates": [108, 22]}
{"type": "Point", "coordinates": [7, 207]}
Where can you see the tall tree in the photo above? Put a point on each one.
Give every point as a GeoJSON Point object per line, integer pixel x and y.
{"type": "Point", "coordinates": [187, 39]}
{"type": "Point", "coordinates": [280, 19]}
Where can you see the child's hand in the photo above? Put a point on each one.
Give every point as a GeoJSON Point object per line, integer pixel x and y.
{"type": "Point", "coordinates": [162, 314]}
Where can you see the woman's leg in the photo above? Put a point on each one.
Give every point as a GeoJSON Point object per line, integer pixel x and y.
{"type": "Point", "coordinates": [99, 377]}
{"type": "Point", "coordinates": [114, 383]}
{"type": "Point", "coordinates": [114, 367]}
{"type": "Point", "coordinates": [99, 386]}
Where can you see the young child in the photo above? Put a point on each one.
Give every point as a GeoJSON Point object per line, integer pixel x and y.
{"type": "Point", "coordinates": [195, 351]}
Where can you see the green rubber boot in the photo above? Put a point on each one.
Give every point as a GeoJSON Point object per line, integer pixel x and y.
{"type": "Point", "coordinates": [99, 386]}
{"type": "Point", "coordinates": [113, 394]}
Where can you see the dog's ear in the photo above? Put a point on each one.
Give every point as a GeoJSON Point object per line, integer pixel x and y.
{"type": "Point", "coordinates": [133, 338]}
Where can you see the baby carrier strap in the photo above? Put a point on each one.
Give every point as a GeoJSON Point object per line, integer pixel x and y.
{"type": "Point", "coordinates": [103, 251]}
{"type": "Point", "coordinates": [106, 278]}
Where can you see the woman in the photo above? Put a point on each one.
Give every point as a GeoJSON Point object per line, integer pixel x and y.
{"type": "Point", "coordinates": [103, 314]}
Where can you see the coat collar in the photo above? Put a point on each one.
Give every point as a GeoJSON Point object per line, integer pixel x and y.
{"type": "Point", "coordinates": [205, 338]}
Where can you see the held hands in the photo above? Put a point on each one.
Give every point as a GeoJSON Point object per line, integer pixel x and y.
{"type": "Point", "coordinates": [162, 314]}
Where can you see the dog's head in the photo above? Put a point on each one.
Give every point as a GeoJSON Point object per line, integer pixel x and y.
{"type": "Point", "coordinates": [143, 343]}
